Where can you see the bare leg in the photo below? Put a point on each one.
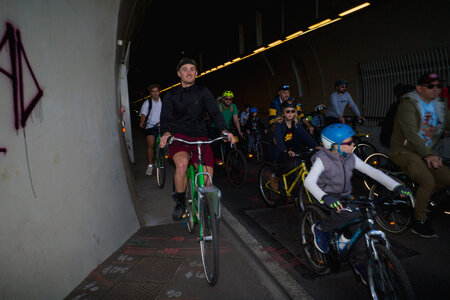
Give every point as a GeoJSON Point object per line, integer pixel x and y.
{"type": "Point", "coordinates": [181, 160]}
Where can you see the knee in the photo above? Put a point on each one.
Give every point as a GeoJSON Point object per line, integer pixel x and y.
{"type": "Point", "coordinates": [181, 166]}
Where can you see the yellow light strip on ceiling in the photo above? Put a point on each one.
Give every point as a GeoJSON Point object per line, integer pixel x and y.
{"type": "Point", "coordinates": [320, 24]}
{"type": "Point", "coordinates": [294, 35]}
{"type": "Point", "coordinates": [354, 9]}
{"type": "Point", "coordinates": [259, 49]}
{"type": "Point", "coordinates": [276, 43]}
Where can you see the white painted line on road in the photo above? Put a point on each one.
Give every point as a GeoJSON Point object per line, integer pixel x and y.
{"type": "Point", "coordinates": [288, 283]}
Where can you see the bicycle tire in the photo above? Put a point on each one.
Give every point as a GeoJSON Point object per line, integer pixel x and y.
{"type": "Point", "coordinates": [304, 198]}
{"type": "Point", "coordinates": [270, 197]}
{"type": "Point", "coordinates": [392, 218]}
{"type": "Point", "coordinates": [209, 241]}
{"type": "Point", "coordinates": [314, 260]}
{"type": "Point", "coordinates": [236, 168]}
{"type": "Point", "coordinates": [259, 152]}
{"type": "Point", "coordinates": [189, 207]}
{"type": "Point", "coordinates": [160, 168]}
{"type": "Point", "coordinates": [363, 150]}
{"type": "Point", "coordinates": [387, 277]}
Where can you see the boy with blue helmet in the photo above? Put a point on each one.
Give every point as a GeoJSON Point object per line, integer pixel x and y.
{"type": "Point", "coordinates": [329, 180]}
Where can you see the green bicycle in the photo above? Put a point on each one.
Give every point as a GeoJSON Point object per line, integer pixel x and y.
{"type": "Point", "coordinates": [273, 195]}
{"type": "Point", "coordinates": [203, 207]}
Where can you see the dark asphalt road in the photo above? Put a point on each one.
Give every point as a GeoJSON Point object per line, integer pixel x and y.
{"type": "Point", "coordinates": [426, 260]}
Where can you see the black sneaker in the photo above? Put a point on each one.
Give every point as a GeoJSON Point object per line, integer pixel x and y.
{"type": "Point", "coordinates": [178, 212]}
{"type": "Point", "coordinates": [423, 229]}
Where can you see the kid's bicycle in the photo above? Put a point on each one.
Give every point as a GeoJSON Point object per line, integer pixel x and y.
{"type": "Point", "coordinates": [273, 195]}
{"type": "Point", "coordinates": [386, 277]}
{"type": "Point", "coordinates": [203, 207]}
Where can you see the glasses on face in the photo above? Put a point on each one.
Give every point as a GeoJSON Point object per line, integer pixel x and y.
{"type": "Point", "coordinates": [343, 87]}
{"type": "Point", "coordinates": [228, 99]}
{"type": "Point", "coordinates": [289, 111]}
{"type": "Point", "coordinates": [431, 86]}
{"type": "Point", "coordinates": [348, 143]}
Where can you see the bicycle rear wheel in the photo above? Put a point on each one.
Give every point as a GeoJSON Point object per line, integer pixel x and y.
{"type": "Point", "coordinates": [315, 260]}
{"type": "Point", "coordinates": [393, 216]}
{"type": "Point", "coordinates": [236, 168]}
{"type": "Point", "coordinates": [387, 278]}
{"type": "Point", "coordinates": [209, 241]}
{"type": "Point", "coordinates": [269, 193]}
{"type": "Point", "coordinates": [160, 168]}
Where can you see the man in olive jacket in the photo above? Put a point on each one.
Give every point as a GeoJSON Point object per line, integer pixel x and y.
{"type": "Point", "coordinates": [421, 119]}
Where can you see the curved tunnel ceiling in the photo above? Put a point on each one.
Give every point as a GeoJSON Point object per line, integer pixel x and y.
{"type": "Point", "coordinates": [209, 32]}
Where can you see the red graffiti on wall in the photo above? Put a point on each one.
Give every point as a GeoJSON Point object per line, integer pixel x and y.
{"type": "Point", "coordinates": [18, 60]}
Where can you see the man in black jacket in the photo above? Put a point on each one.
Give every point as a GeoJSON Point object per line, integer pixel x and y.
{"type": "Point", "coordinates": [184, 108]}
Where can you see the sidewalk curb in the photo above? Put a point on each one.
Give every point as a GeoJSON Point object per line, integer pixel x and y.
{"type": "Point", "coordinates": [281, 276]}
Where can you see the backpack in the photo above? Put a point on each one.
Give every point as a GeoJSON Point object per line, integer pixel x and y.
{"type": "Point", "coordinates": [388, 125]}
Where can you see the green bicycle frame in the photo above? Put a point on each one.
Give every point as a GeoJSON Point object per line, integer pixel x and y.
{"type": "Point", "coordinates": [191, 173]}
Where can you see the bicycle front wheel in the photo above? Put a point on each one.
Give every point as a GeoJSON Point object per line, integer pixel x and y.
{"type": "Point", "coordinates": [387, 278]}
{"type": "Point", "coordinates": [236, 167]}
{"type": "Point", "coordinates": [269, 185]}
{"type": "Point", "coordinates": [393, 216]}
{"type": "Point", "coordinates": [363, 150]}
{"type": "Point", "coordinates": [259, 152]}
{"type": "Point", "coordinates": [209, 240]}
{"type": "Point", "coordinates": [189, 207]}
{"type": "Point", "coordinates": [304, 198]}
{"type": "Point", "coordinates": [160, 168]}
{"type": "Point", "coordinates": [315, 260]}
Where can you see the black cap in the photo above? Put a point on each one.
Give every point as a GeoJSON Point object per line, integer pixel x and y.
{"type": "Point", "coordinates": [428, 78]}
{"type": "Point", "coordinates": [185, 61]}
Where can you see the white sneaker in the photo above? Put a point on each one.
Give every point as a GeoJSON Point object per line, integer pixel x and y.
{"type": "Point", "coordinates": [149, 171]}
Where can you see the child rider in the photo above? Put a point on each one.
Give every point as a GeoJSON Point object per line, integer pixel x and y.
{"type": "Point", "coordinates": [329, 180]}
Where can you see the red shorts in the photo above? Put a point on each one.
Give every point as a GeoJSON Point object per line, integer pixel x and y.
{"type": "Point", "coordinates": [207, 153]}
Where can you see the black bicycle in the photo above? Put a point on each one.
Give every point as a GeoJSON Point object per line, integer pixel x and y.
{"type": "Point", "coordinates": [386, 277]}
{"type": "Point", "coordinates": [257, 146]}
{"type": "Point", "coordinates": [363, 148]}
{"type": "Point", "coordinates": [235, 164]}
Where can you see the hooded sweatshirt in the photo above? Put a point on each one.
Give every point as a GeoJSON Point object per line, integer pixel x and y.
{"type": "Point", "coordinates": [407, 125]}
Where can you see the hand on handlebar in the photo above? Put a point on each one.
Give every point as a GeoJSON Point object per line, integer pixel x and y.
{"type": "Point", "coordinates": [163, 140]}
{"type": "Point", "coordinates": [229, 136]}
{"type": "Point", "coordinates": [403, 191]}
{"type": "Point", "coordinates": [332, 202]}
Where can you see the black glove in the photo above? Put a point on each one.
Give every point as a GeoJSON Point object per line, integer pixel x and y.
{"type": "Point", "coordinates": [331, 201]}
{"type": "Point", "coordinates": [403, 191]}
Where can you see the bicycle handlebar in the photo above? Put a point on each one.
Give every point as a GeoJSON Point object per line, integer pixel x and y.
{"type": "Point", "coordinates": [172, 138]}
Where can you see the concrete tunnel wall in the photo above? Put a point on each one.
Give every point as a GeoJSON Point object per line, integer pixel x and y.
{"type": "Point", "coordinates": [65, 201]}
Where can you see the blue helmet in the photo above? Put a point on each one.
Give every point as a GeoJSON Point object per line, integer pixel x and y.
{"type": "Point", "coordinates": [253, 109]}
{"type": "Point", "coordinates": [336, 134]}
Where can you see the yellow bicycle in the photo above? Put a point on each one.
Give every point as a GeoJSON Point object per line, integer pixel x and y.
{"type": "Point", "coordinates": [275, 190]}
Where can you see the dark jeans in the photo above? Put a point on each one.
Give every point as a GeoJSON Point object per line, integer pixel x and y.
{"type": "Point", "coordinates": [336, 220]}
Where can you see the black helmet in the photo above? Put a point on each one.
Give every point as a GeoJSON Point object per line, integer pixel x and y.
{"type": "Point", "coordinates": [340, 82]}
{"type": "Point", "coordinates": [287, 103]}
